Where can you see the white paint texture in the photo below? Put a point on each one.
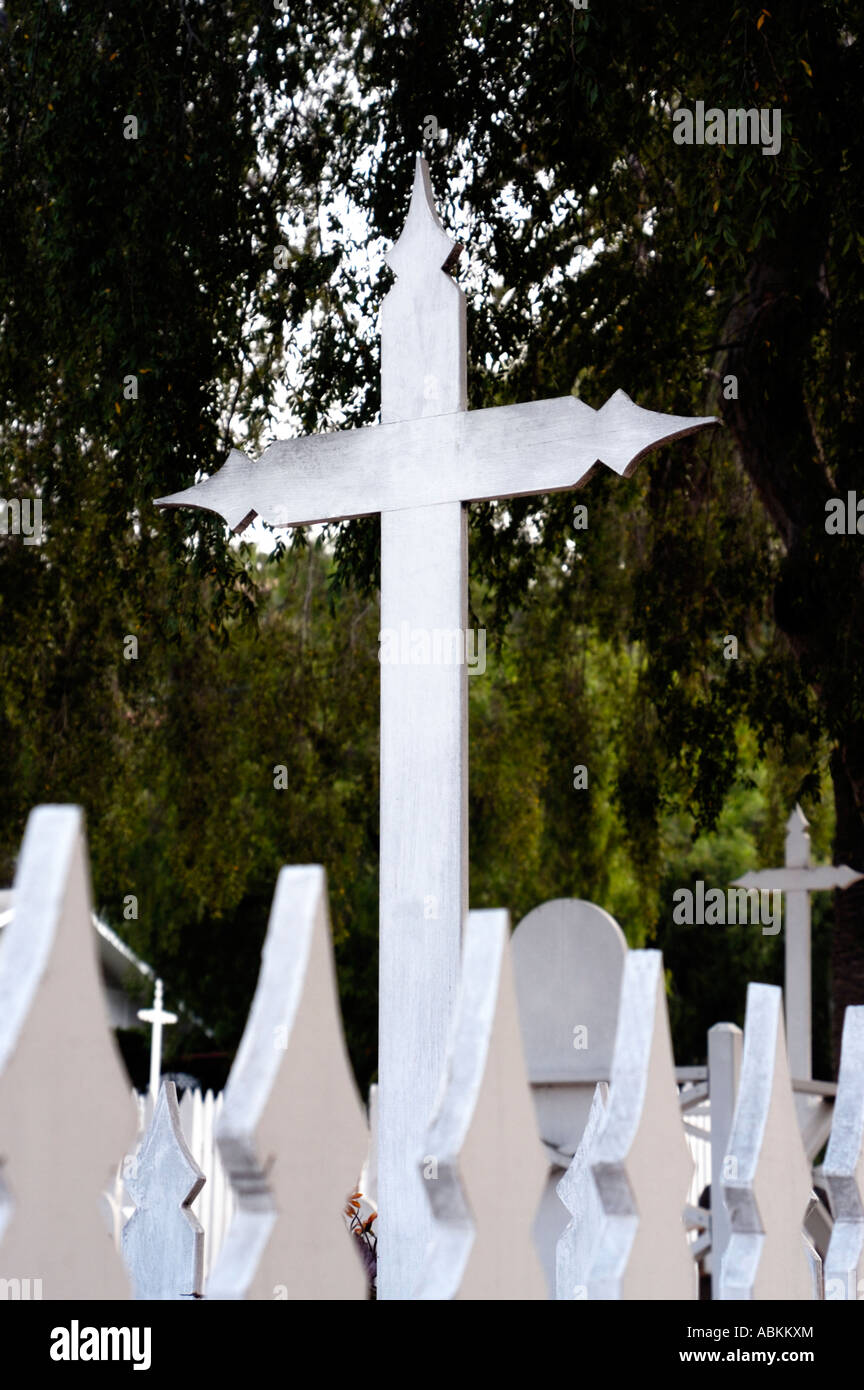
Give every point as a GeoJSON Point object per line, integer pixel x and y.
{"type": "Point", "coordinates": [579, 1241]}
{"type": "Point", "coordinates": [644, 1252]}
{"type": "Point", "coordinates": [766, 1182]}
{"type": "Point", "coordinates": [568, 956]}
{"type": "Point", "coordinates": [292, 1133]}
{"type": "Point", "coordinates": [724, 1071]}
{"type": "Point", "coordinates": [162, 1242]}
{"type": "Point", "coordinates": [482, 1164]}
{"type": "Point", "coordinates": [843, 1169]}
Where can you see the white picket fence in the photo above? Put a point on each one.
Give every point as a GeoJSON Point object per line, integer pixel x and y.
{"type": "Point", "coordinates": [559, 1161]}
{"type": "Point", "coordinates": [698, 1135]}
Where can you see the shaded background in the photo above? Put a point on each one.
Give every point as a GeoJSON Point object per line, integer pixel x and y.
{"type": "Point", "coordinates": [598, 254]}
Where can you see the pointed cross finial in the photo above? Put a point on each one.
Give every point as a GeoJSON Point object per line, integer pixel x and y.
{"type": "Point", "coordinates": [423, 245]}
{"type": "Point", "coordinates": [797, 840]}
{"type": "Point", "coordinates": [423, 352]}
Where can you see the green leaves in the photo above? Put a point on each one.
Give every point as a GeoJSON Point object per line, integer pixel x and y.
{"type": "Point", "coordinates": [599, 254]}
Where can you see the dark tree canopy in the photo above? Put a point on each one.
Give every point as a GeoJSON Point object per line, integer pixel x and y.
{"type": "Point", "coordinates": [598, 254]}
{"type": "Point", "coordinates": [606, 254]}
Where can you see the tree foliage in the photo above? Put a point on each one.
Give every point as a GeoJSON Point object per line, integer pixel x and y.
{"type": "Point", "coordinates": [598, 254]}
{"type": "Point", "coordinates": [603, 254]}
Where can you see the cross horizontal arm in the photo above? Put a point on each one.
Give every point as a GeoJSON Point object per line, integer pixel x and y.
{"type": "Point", "coordinates": [471, 456]}
{"type": "Point", "coordinates": [154, 1016]}
{"type": "Point", "coordinates": [800, 880]}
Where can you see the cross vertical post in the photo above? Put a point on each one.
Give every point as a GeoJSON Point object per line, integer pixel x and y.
{"type": "Point", "coordinates": [424, 745]}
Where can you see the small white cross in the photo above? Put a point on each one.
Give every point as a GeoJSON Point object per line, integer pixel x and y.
{"type": "Point", "coordinates": [157, 1016]}
{"type": "Point", "coordinates": [798, 879]}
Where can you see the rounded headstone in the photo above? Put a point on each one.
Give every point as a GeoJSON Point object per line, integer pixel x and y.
{"type": "Point", "coordinates": [569, 957]}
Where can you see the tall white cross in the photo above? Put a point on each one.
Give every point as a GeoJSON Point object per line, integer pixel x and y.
{"type": "Point", "coordinates": [798, 879]}
{"type": "Point", "coordinates": [157, 1016]}
{"type": "Point", "coordinates": [419, 468]}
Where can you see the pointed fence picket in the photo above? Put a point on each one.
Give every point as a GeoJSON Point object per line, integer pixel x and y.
{"type": "Point", "coordinates": [843, 1169]}
{"type": "Point", "coordinates": [724, 1071]}
{"type": "Point", "coordinates": [484, 1166]}
{"type": "Point", "coordinates": [568, 1014]}
{"type": "Point", "coordinates": [577, 1244]}
{"type": "Point", "coordinates": [62, 1131]}
{"type": "Point", "coordinates": [643, 1251]}
{"type": "Point", "coordinates": [213, 1206]}
{"type": "Point", "coordinates": [162, 1242]}
{"type": "Point", "coordinates": [292, 1137]}
{"type": "Point", "coordinates": [766, 1177]}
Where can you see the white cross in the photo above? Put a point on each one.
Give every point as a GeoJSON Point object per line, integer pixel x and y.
{"type": "Point", "coordinates": [157, 1016]}
{"type": "Point", "coordinates": [798, 879]}
{"type": "Point", "coordinates": [419, 468]}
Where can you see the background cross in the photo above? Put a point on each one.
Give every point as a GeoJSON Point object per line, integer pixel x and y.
{"type": "Point", "coordinates": [158, 1017]}
{"type": "Point", "coordinates": [798, 879]}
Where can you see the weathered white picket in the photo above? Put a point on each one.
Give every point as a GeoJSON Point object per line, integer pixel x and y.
{"type": "Point", "coordinates": [293, 1136]}
{"type": "Point", "coordinates": [642, 1251]}
{"type": "Point", "coordinates": [843, 1169]}
{"type": "Point", "coordinates": [766, 1176]}
{"type": "Point", "coordinates": [214, 1204]}
{"type": "Point", "coordinates": [65, 1113]}
{"type": "Point", "coordinates": [483, 1217]}
{"type": "Point", "coordinates": [162, 1242]}
{"type": "Point", "coordinates": [568, 1014]}
{"type": "Point", "coordinates": [578, 1242]}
